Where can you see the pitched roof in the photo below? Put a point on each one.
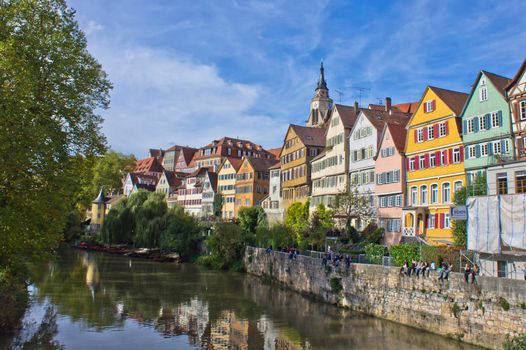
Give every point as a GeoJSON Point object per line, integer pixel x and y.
{"type": "Point", "coordinates": [517, 76]}
{"type": "Point", "coordinates": [275, 151]}
{"type": "Point", "coordinates": [348, 115]}
{"type": "Point", "coordinates": [174, 178]}
{"type": "Point", "coordinates": [101, 198]}
{"type": "Point", "coordinates": [454, 99]}
{"type": "Point", "coordinates": [157, 153]}
{"type": "Point", "coordinates": [379, 118]}
{"type": "Point", "coordinates": [150, 164]}
{"type": "Point", "coordinates": [188, 153]}
{"type": "Point", "coordinates": [261, 164]}
{"type": "Point", "coordinates": [213, 180]}
{"type": "Point", "coordinates": [309, 136]}
{"type": "Point", "coordinates": [220, 146]}
{"type": "Point", "coordinates": [407, 107]}
{"type": "Point", "coordinates": [498, 81]}
{"type": "Point", "coordinates": [276, 166]}
{"type": "Point", "coordinates": [398, 134]}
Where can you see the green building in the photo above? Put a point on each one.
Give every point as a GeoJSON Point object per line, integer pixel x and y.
{"type": "Point", "coordinates": [487, 128]}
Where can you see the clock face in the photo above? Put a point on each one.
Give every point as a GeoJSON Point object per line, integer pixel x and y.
{"type": "Point", "coordinates": [314, 104]}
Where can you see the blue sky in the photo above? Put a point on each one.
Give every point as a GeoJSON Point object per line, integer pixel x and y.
{"type": "Point", "coordinates": [188, 72]}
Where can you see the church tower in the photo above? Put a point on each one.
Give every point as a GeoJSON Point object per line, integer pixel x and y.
{"type": "Point", "coordinates": [321, 103]}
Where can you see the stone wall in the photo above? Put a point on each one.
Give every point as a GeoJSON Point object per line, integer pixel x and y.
{"type": "Point", "coordinates": [482, 314]}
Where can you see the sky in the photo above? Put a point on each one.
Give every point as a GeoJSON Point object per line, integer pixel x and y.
{"type": "Point", "coordinates": [188, 72]}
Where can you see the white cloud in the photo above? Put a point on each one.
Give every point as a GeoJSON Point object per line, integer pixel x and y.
{"type": "Point", "coordinates": [93, 27]}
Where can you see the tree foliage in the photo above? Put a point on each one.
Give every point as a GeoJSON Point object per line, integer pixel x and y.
{"type": "Point", "coordinates": [109, 170]}
{"type": "Point", "coordinates": [217, 205]}
{"type": "Point", "coordinates": [352, 204]}
{"type": "Point", "coordinates": [225, 248]}
{"type": "Point", "coordinates": [297, 221]}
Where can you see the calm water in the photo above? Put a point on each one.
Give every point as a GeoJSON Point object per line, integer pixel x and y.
{"type": "Point", "coordinates": [95, 301]}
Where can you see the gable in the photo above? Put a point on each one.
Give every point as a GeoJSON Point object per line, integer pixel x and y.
{"type": "Point", "coordinates": [362, 128]}
{"type": "Point", "coordinates": [494, 99]}
{"type": "Point", "coordinates": [423, 116]}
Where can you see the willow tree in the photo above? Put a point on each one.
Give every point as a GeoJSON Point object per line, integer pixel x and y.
{"type": "Point", "coordinates": [50, 90]}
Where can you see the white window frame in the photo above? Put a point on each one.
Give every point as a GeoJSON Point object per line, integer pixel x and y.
{"type": "Point", "coordinates": [482, 122]}
{"type": "Point", "coordinates": [457, 186]}
{"type": "Point", "coordinates": [414, 195]}
{"type": "Point", "coordinates": [472, 152]}
{"type": "Point", "coordinates": [483, 93]}
{"type": "Point", "coordinates": [420, 135]}
{"type": "Point", "coordinates": [495, 120]}
{"type": "Point", "coordinates": [470, 125]}
{"type": "Point", "coordinates": [522, 110]}
{"type": "Point", "coordinates": [483, 149]}
{"type": "Point", "coordinates": [456, 155]}
{"type": "Point", "coordinates": [442, 129]}
{"type": "Point", "coordinates": [446, 198]}
{"type": "Point", "coordinates": [497, 148]}
{"type": "Point", "coordinates": [430, 132]}
{"type": "Point", "coordinates": [431, 221]}
{"type": "Point", "coordinates": [412, 163]}
{"type": "Point", "coordinates": [447, 221]}
{"type": "Point", "coordinates": [434, 193]}
{"type": "Point", "coordinates": [429, 106]}
{"type": "Point", "coordinates": [423, 198]}
{"type": "Point", "coordinates": [421, 163]}
{"type": "Point", "coordinates": [432, 160]}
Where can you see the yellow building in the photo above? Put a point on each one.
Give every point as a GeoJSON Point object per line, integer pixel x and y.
{"type": "Point", "coordinates": [301, 144]}
{"type": "Point", "coordinates": [252, 184]}
{"type": "Point", "coordinates": [434, 164]}
{"type": "Point", "coordinates": [98, 211]}
{"type": "Point", "coordinates": [226, 185]}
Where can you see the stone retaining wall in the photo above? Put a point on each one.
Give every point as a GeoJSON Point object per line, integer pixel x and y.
{"type": "Point", "coordinates": [482, 314]}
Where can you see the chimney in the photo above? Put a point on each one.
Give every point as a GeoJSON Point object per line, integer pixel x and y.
{"type": "Point", "coordinates": [355, 106]}
{"type": "Point", "coordinates": [388, 104]}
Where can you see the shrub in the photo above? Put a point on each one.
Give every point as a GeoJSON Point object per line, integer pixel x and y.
{"type": "Point", "coordinates": [374, 253]}
{"type": "Point", "coordinates": [225, 247]}
{"type": "Point", "coordinates": [516, 343]}
{"type": "Point", "coordinates": [403, 252]}
{"type": "Point", "coordinates": [336, 285]}
{"type": "Point", "coordinates": [374, 237]}
{"type": "Point", "coordinates": [503, 304]}
{"type": "Point", "coordinates": [430, 253]}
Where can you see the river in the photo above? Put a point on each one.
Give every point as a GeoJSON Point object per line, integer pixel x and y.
{"type": "Point", "coordinates": [95, 301]}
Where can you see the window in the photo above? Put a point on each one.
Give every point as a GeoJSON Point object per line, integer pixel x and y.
{"type": "Point", "coordinates": [522, 109]}
{"type": "Point", "coordinates": [428, 107]}
{"type": "Point", "coordinates": [423, 194]}
{"type": "Point", "coordinates": [483, 93]}
{"type": "Point", "coordinates": [420, 135]}
{"type": "Point", "coordinates": [470, 126]}
{"type": "Point", "coordinates": [412, 164]}
{"type": "Point", "coordinates": [446, 192]}
{"type": "Point", "coordinates": [431, 221]}
{"type": "Point", "coordinates": [495, 120]}
{"type": "Point", "coordinates": [502, 183]}
{"type": "Point", "coordinates": [434, 194]}
{"type": "Point", "coordinates": [421, 162]}
{"type": "Point", "coordinates": [447, 221]}
{"type": "Point", "coordinates": [398, 200]}
{"type": "Point", "coordinates": [414, 199]}
{"type": "Point", "coordinates": [472, 152]}
{"type": "Point", "coordinates": [457, 186]}
{"type": "Point", "coordinates": [520, 181]}
{"type": "Point", "coordinates": [432, 160]}
{"type": "Point", "coordinates": [497, 149]}
{"type": "Point", "coordinates": [430, 132]}
{"type": "Point", "coordinates": [442, 129]}
{"type": "Point", "coordinates": [456, 155]}
{"type": "Point", "coordinates": [482, 122]}
{"type": "Point", "coordinates": [483, 149]}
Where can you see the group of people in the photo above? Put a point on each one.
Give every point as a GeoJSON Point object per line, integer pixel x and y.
{"type": "Point", "coordinates": [470, 272]}
{"type": "Point", "coordinates": [417, 268]}
{"type": "Point", "coordinates": [335, 259]}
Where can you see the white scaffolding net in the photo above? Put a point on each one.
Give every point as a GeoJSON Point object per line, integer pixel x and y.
{"type": "Point", "coordinates": [495, 222]}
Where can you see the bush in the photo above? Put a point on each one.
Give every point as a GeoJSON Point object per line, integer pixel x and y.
{"type": "Point", "coordinates": [403, 252]}
{"type": "Point", "coordinates": [225, 247]}
{"type": "Point", "coordinates": [430, 253]}
{"type": "Point", "coordinates": [374, 253]}
{"type": "Point", "coordinates": [374, 237]}
{"type": "Point", "coordinates": [516, 343]}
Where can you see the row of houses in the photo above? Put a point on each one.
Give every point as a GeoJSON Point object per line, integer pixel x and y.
{"type": "Point", "coordinates": [408, 159]}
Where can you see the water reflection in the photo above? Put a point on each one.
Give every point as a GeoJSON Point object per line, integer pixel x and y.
{"type": "Point", "coordinates": [102, 301]}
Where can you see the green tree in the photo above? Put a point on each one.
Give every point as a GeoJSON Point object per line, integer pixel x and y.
{"type": "Point", "coordinates": [50, 90]}
{"type": "Point", "coordinates": [352, 205]}
{"type": "Point", "coordinates": [250, 219]}
{"type": "Point", "coordinates": [297, 220]}
{"type": "Point", "coordinates": [225, 247]}
{"type": "Point", "coordinates": [182, 233]}
{"type": "Point", "coordinates": [320, 221]}
{"type": "Point", "coordinates": [218, 204]}
{"type": "Point", "coordinates": [109, 171]}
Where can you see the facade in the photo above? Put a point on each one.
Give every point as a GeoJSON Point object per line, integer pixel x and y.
{"type": "Point", "coordinates": [168, 182]}
{"type": "Point", "coordinates": [486, 125]}
{"type": "Point", "coordinates": [300, 146]}
{"type": "Point", "coordinates": [252, 182]}
{"type": "Point", "coordinates": [507, 178]}
{"type": "Point", "coordinates": [390, 181]}
{"type": "Point", "coordinates": [321, 103]}
{"type": "Point", "coordinates": [184, 160]}
{"type": "Point", "coordinates": [136, 181]}
{"type": "Point", "coordinates": [272, 204]}
{"type": "Point", "coordinates": [190, 193]}
{"type": "Point", "coordinates": [364, 140]}
{"type": "Point", "coordinates": [226, 185]}
{"type": "Point", "coordinates": [214, 153]}
{"type": "Point", "coordinates": [516, 92]}
{"type": "Point", "coordinates": [209, 193]}
{"type": "Point", "coordinates": [98, 212]}
{"type": "Point", "coordinates": [435, 164]}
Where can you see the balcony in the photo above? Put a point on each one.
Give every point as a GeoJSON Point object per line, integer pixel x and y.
{"type": "Point", "coordinates": [408, 231]}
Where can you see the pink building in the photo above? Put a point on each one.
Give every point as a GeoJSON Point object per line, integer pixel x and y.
{"type": "Point", "coordinates": [390, 181]}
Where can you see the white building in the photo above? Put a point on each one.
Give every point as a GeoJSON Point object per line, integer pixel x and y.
{"type": "Point", "coordinates": [364, 141]}
{"type": "Point", "coordinates": [329, 169]}
{"type": "Point", "coordinates": [209, 192]}
{"type": "Point", "coordinates": [507, 178]}
{"type": "Point", "coordinates": [190, 194]}
{"type": "Point", "coordinates": [272, 203]}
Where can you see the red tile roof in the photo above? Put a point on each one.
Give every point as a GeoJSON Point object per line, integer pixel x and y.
{"type": "Point", "coordinates": [261, 164]}
{"type": "Point", "coordinates": [517, 76]}
{"type": "Point", "coordinates": [275, 151]}
{"type": "Point", "coordinates": [348, 115]}
{"type": "Point", "coordinates": [408, 107]}
{"type": "Point", "coordinates": [454, 99]}
{"type": "Point", "coordinates": [310, 136]}
{"type": "Point", "coordinates": [398, 134]}
{"type": "Point", "coordinates": [150, 164]}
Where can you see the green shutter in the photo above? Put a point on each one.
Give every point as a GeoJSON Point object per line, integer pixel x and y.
{"type": "Point", "coordinates": [477, 151]}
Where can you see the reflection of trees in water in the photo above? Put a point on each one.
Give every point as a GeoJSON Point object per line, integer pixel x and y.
{"type": "Point", "coordinates": [42, 337]}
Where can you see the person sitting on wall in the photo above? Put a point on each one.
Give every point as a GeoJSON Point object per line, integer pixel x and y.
{"type": "Point", "coordinates": [403, 270]}
{"type": "Point", "coordinates": [432, 267]}
{"type": "Point", "coordinates": [444, 272]}
{"type": "Point", "coordinates": [524, 271]}
{"type": "Point", "coordinates": [347, 260]}
{"type": "Point", "coordinates": [467, 272]}
{"type": "Point", "coordinates": [474, 272]}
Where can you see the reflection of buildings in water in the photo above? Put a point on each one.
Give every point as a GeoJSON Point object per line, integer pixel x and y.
{"type": "Point", "coordinates": [266, 328]}
{"type": "Point", "coordinates": [92, 273]}
{"type": "Point", "coordinates": [228, 332]}
{"type": "Point", "coordinates": [187, 318]}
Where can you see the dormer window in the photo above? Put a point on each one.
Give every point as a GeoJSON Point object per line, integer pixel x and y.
{"type": "Point", "coordinates": [429, 106]}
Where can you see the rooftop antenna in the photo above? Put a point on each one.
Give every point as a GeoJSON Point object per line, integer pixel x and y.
{"type": "Point", "coordinates": [360, 91]}
{"type": "Point", "coordinates": [340, 94]}
{"type": "Point", "coordinates": [380, 101]}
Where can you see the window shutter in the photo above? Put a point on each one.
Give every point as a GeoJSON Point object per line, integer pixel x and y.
{"type": "Point", "coordinates": [433, 105]}
{"type": "Point", "coordinates": [490, 148]}
{"type": "Point", "coordinates": [499, 117]}
{"type": "Point", "coordinates": [488, 121]}
{"type": "Point", "coordinates": [441, 220]}
{"type": "Point", "coordinates": [436, 221]}
{"type": "Point", "coordinates": [416, 136]}
{"type": "Point", "coordinates": [425, 133]}
{"type": "Point", "coordinates": [503, 146]}
{"type": "Point", "coordinates": [465, 126]}
{"type": "Point", "coordinates": [426, 160]}
{"type": "Point", "coordinates": [477, 151]}
{"type": "Point", "coordinates": [437, 158]}
{"type": "Point", "coordinates": [466, 151]}
{"type": "Point", "coordinates": [435, 131]}
{"type": "Point", "coordinates": [450, 156]}
{"type": "Point", "coordinates": [407, 164]}
{"type": "Point", "coordinates": [425, 107]}
{"type": "Point", "coordinates": [417, 165]}
{"type": "Point", "coordinates": [520, 146]}
{"type": "Point", "coordinates": [461, 153]}
{"type": "Point", "coordinates": [426, 219]}
{"type": "Point", "coordinates": [476, 124]}
{"type": "Point", "coordinates": [447, 127]}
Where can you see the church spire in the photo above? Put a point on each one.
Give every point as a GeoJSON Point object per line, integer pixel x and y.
{"type": "Point", "coordinates": [321, 81]}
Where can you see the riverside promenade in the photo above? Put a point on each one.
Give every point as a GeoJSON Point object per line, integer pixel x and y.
{"type": "Point", "coordinates": [483, 314]}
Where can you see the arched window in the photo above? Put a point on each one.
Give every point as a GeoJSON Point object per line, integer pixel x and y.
{"type": "Point", "coordinates": [414, 196]}
{"type": "Point", "coordinates": [446, 192]}
{"type": "Point", "coordinates": [434, 193]}
{"type": "Point", "coordinates": [423, 194]}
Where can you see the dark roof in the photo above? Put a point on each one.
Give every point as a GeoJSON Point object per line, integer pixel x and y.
{"type": "Point", "coordinates": [498, 81]}
{"type": "Point", "coordinates": [174, 178]}
{"type": "Point", "coordinates": [379, 118]}
{"type": "Point", "coordinates": [101, 198]}
{"type": "Point", "coordinates": [398, 133]}
{"type": "Point", "coordinates": [517, 76]}
{"type": "Point", "coordinates": [347, 114]}
{"type": "Point", "coordinates": [322, 84]}
{"type": "Point", "coordinates": [408, 107]}
{"type": "Point", "coordinates": [213, 180]}
{"type": "Point", "coordinates": [454, 99]}
{"type": "Point", "coordinates": [157, 153]}
{"type": "Point", "coordinates": [276, 166]}
{"type": "Point", "coordinates": [309, 136]}
{"type": "Point", "coordinates": [261, 164]}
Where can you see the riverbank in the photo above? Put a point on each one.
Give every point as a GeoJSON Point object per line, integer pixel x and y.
{"type": "Point", "coordinates": [483, 314]}
{"type": "Point", "coordinates": [144, 253]}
